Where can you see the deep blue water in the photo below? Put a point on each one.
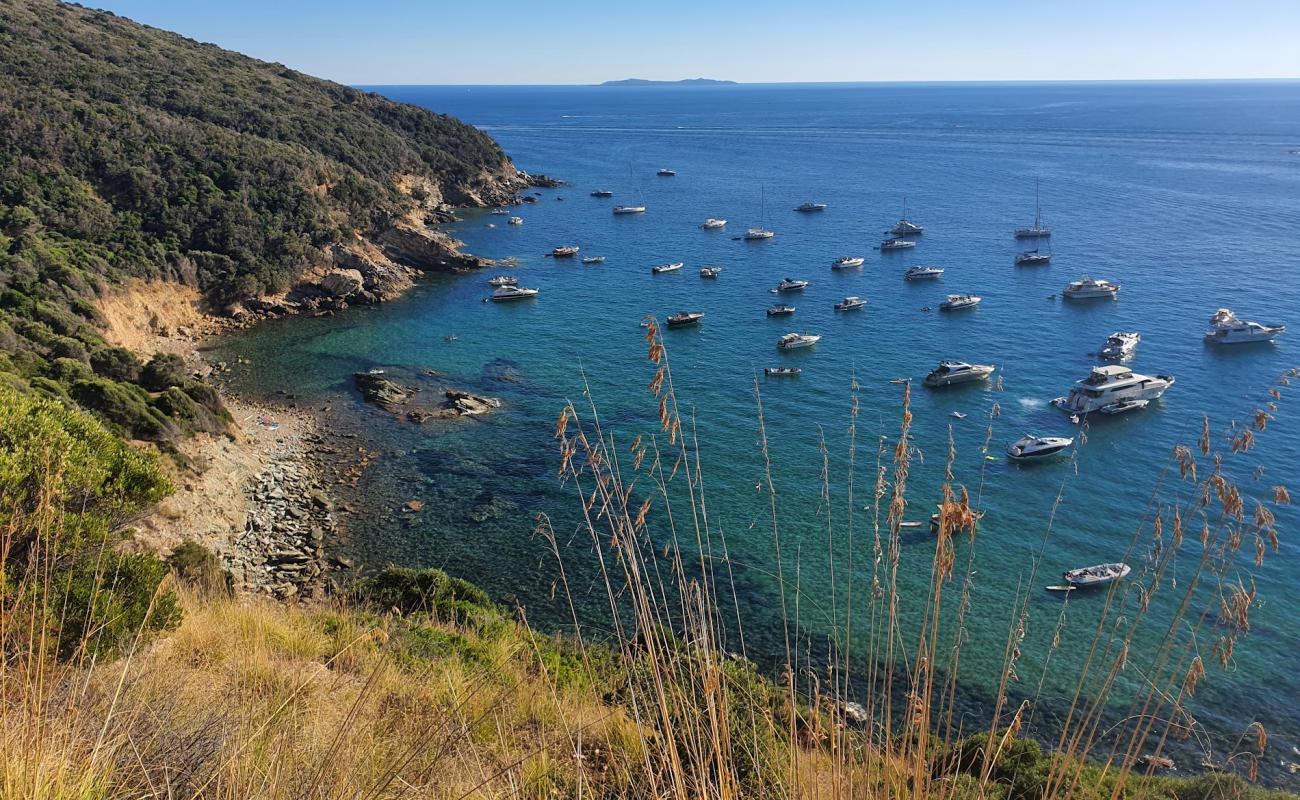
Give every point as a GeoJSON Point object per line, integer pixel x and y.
{"type": "Point", "coordinates": [1186, 194]}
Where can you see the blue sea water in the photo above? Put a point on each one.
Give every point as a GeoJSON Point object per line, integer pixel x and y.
{"type": "Point", "coordinates": [1187, 194]}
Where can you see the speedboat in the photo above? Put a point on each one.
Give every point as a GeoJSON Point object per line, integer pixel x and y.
{"type": "Point", "coordinates": [1109, 385]}
{"type": "Point", "coordinates": [515, 221]}
{"type": "Point", "coordinates": [1097, 575]}
{"type": "Point", "coordinates": [629, 209]}
{"type": "Point", "coordinates": [848, 262]}
{"type": "Point", "coordinates": [684, 318]}
{"type": "Point", "coordinates": [593, 259]}
{"type": "Point", "coordinates": [794, 341]}
{"type": "Point", "coordinates": [1089, 288]}
{"type": "Point", "coordinates": [503, 280]}
{"type": "Point", "coordinates": [568, 251]}
{"type": "Point", "coordinates": [922, 273]}
{"type": "Point", "coordinates": [710, 272]}
{"type": "Point", "coordinates": [503, 293]}
{"type": "Point", "coordinates": [499, 212]}
{"type": "Point", "coordinates": [957, 302]}
{"type": "Point", "coordinates": [666, 173]}
{"type": "Point", "coordinates": [1225, 328]}
{"type": "Point", "coordinates": [1124, 406]}
{"type": "Point", "coordinates": [896, 244]}
{"type": "Point", "coordinates": [1030, 447]}
{"type": "Point", "coordinates": [905, 227]}
{"type": "Point", "coordinates": [790, 285]}
{"type": "Point", "coordinates": [1120, 345]}
{"type": "Point", "coordinates": [780, 310]}
{"type": "Point", "coordinates": [712, 224]}
{"type": "Point", "coordinates": [673, 267]}
{"type": "Point", "coordinates": [754, 234]}
{"type": "Point", "coordinates": [602, 193]}
{"type": "Point", "coordinates": [850, 303]}
{"type": "Point", "coordinates": [949, 373]}
{"type": "Point", "coordinates": [782, 371]}
{"type": "Point", "coordinates": [810, 207]}
{"type": "Point", "coordinates": [1033, 258]}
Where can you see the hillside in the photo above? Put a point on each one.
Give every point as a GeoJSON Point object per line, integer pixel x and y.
{"type": "Point", "coordinates": [128, 152]}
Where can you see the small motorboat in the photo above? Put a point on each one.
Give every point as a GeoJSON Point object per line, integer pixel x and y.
{"type": "Point", "coordinates": [806, 207]}
{"type": "Point", "coordinates": [896, 244]}
{"type": "Point", "coordinates": [1088, 289]}
{"type": "Point", "coordinates": [712, 224]}
{"type": "Point", "coordinates": [779, 310]}
{"type": "Point", "coordinates": [790, 285]}
{"type": "Point", "coordinates": [1030, 447]}
{"type": "Point", "coordinates": [602, 193]}
{"type": "Point", "coordinates": [957, 302]}
{"type": "Point", "coordinates": [662, 268]}
{"type": "Point", "coordinates": [683, 318]}
{"type": "Point", "coordinates": [1225, 328]}
{"type": "Point", "coordinates": [629, 209]}
{"type": "Point", "coordinates": [847, 262]}
{"type": "Point", "coordinates": [515, 221]}
{"type": "Point", "coordinates": [782, 372]}
{"type": "Point", "coordinates": [922, 273]}
{"type": "Point", "coordinates": [503, 280]}
{"type": "Point", "coordinates": [950, 373]}
{"type": "Point", "coordinates": [957, 414]}
{"type": "Point", "coordinates": [755, 234]}
{"type": "Point", "coordinates": [959, 518]}
{"type": "Point", "coordinates": [1120, 345]}
{"type": "Point", "coordinates": [499, 212]}
{"type": "Point", "coordinates": [710, 272]}
{"type": "Point", "coordinates": [568, 251]}
{"type": "Point", "coordinates": [1033, 258]}
{"type": "Point", "coordinates": [503, 293]}
{"type": "Point", "coordinates": [850, 303]}
{"type": "Point", "coordinates": [1088, 577]}
{"type": "Point", "coordinates": [795, 341]}
{"type": "Point", "coordinates": [593, 259]}
{"type": "Point", "coordinates": [666, 173]}
{"type": "Point", "coordinates": [1123, 406]}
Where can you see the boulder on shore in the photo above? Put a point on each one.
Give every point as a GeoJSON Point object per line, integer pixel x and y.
{"type": "Point", "coordinates": [342, 283]}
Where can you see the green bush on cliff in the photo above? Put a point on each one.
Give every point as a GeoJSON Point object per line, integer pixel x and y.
{"type": "Point", "coordinates": [67, 484]}
{"type": "Point", "coordinates": [413, 591]}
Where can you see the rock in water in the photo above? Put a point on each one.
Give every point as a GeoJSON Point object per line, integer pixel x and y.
{"type": "Point", "coordinates": [467, 404]}
{"type": "Point", "coordinates": [382, 392]}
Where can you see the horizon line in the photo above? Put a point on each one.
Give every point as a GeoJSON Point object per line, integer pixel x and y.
{"type": "Point", "coordinates": [724, 83]}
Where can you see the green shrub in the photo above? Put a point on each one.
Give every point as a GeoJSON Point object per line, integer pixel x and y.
{"type": "Point", "coordinates": [199, 566]}
{"type": "Point", "coordinates": [412, 591]}
{"type": "Point", "coordinates": [163, 371]}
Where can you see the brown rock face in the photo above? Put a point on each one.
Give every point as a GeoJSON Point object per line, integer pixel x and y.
{"type": "Point", "coordinates": [342, 282]}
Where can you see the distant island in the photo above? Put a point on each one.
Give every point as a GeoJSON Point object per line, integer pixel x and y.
{"type": "Point", "coordinates": [683, 82]}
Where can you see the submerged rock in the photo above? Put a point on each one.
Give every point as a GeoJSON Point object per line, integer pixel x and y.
{"type": "Point", "coordinates": [382, 392]}
{"type": "Point", "coordinates": [466, 404]}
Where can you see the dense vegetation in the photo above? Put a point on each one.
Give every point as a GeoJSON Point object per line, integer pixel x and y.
{"type": "Point", "coordinates": [127, 151]}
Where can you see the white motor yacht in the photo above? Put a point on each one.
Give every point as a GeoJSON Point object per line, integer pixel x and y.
{"type": "Point", "coordinates": [499, 212]}
{"type": "Point", "coordinates": [1112, 384]}
{"type": "Point", "coordinates": [754, 234]}
{"type": "Point", "coordinates": [1225, 328]}
{"type": "Point", "coordinates": [850, 303]}
{"type": "Point", "coordinates": [949, 373]}
{"type": "Point", "coordinates": [712, 224]}
{"type": "Point", "coordinates": [1098, 575]}
{"type": "Point", "coordinates": [848, 262]}
{"type": "Point", "coordinates": [806, 207]}
{"type": "Point", "coordinates": [629, 209]}
{"type": "Point", "coordinates": [673, 267]}
{"type": "Point", "coordinates": [1030, 447]}
{"type": "Point", "coordinates": [503, 293]}
{"type": "Point", "coordinates": [502, 280]}
{"type": "Point", "coordinates": [896, 244]}
{"type": "Point", "coordinates": [923, 273]}
{"type": "Point", "coordinates": [780, 310]}
{"type": "Point", "coordinates": [794, 341]}
{"type": "Point", "coordinates": [1089, 288]}
{"type": "Point", "coordinates": [957, 302]}
{"type": "Point", "coordinates": [515, 221]}
{"type": "Point", "coordinates": [602, 193]}
{"type": "Point", "coordinates": [1120, 345]}
{"type": "Point", "coordinates": [782, 372]}
{"type": "Point", "coordinates": [790, 285]}
{"type": "Point", "coordinates": [593, 259]}
{"type": "Point", "coordinates": [905, 227]}
{"type": "Point", "coordinates": [568, 251]}
{"type": "Point", "coordinates": [710, 272]}
{"type": "Point", "coordinates": [666, 173]}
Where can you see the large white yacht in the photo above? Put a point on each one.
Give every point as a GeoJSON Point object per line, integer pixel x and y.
{"type": "Point", "coordinates": [848, 262]}
{"type": "Point", "coordinates": [922, 273]}
{"type": "Point", "coordinates": [1088, 288]}
{"type": "Point", "coordinates": [957, 302]}
{"type": "Point", "coordinates": [850, 303]}
{"type": "Point", "coordinates": [790, 285]}
{"type": "Point", "coordinates": [1120, 344]}
{"type": "Point", "coordinates": [949, 373]}
{"type": "Point", "coordinates": [1030, 447]}
{"type": "Point", "coordinates": [896, 244]}
{"type": "Point", "coordinates": [502, 280]}
{"type": "Point", "coordinates": [1225, 328]}
{"type": "Point", "coordinates": [793, 341]}
{"type": "Point", "coordinates": [1111, 385]}
{"type": "Point", "coordinates": [754, 234]}
{"type": "Point", "coordinates": [905, 227]}
{"type": "Point", "coordinates": [502, 293]}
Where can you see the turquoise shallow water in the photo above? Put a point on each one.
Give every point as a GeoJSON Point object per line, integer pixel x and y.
{"type": "Point", "coordinates": [1183, 193]}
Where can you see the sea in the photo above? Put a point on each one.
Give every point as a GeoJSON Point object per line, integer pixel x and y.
{"type": "Point", "coordinates": [1187, 194]}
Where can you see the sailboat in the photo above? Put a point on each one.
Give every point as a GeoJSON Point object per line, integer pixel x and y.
{"type": "Point", "coordinates": [1037, 231]}
{"type": "Point", "coordinates": [760, 232]}
{"type": "Point", "coordinates": [905, 227]}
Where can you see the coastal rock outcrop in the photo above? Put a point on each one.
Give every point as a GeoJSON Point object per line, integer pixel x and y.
{"type": "Point", "coordinates": [466, 404]}
{"type": "Point", "coordinates": [377, 389]}
{"type": "Point", "coordinates": [425, 248]}
{"type": "Point", "coordinates": [342, 282]}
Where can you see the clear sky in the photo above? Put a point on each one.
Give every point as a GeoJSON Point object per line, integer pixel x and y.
{"type": "Point", "coordinates": [588, 41]}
